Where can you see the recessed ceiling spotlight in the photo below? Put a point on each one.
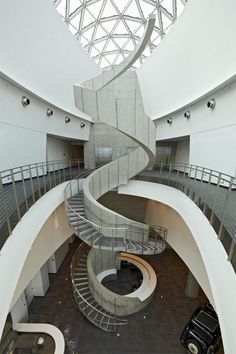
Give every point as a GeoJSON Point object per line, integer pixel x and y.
{"type": "Point", "coordinates": [49, 112]}
{"type": "Point", "coordinates": [169, 120]}
{"type": "Point", "coordinates": [25, 101]}
{"type": "Point", "coordinates": [67, 119]}
{"type": "Point", "coordinates": [211, 104]}
{"type": "Point", "coordinates": [187, 114]}
{"type": "Point", "coordinates": [82, 124]}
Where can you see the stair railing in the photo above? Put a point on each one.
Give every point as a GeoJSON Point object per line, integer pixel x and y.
{"type": "Point", "coordinates": [115, 233]}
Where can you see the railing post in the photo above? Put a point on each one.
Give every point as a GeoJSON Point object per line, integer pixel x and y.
{"type": "Point", "coordinates": [44, 179]}
{"type": "Point", "coordinates": [24, 189]}
{"type": "Point", "coordinates": [70, 169]}
{"type": "Point", "coordinates": [38, 181]}
{"type": "Point", "coordinates": [4, 206]}
{"type": "Point", "coordinates": [15, 194]}
{"type": "Point", "coordinates": [206, 194]}
{"type": "Point", "coordinates": [229, 190]}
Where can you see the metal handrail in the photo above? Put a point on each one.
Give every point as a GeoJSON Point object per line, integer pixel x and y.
{"type": "Point", "coordinates": [212, 191]}
{"type": "Point", "coordinates": [22, 186]}
{"type": "Point", "coordinates": [120, 227]}
{"type": "Point", "coordinates": [74, 262]}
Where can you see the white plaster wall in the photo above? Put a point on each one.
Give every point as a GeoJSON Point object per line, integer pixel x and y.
{"type": "Point", "coordinates": [19, 312]}
{"type": "Point", "coordinates": [36, 237]}
{"type": "Point", "coordinates": [198, 54]}
{"type": "Point", "coordinates": [208, 250]}
{"type": "Point", "coordinates": [23, 129]}
{"type": "Point", "coordinates": [39, 52]}
{"type": "Point", "coordinates": [212, 132]}
{"type": "Point", "coordinates": [58, 149]}
{"type": "Point", "coordinates": [20, 146]}
{"type": "Point", "coordinates": [40, 283]}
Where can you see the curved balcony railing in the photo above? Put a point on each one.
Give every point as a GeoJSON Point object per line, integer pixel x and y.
{"type": "Point", "coordinates": [121, 237]}
{"type": "Point", "coordinates": [212, 191]}
{"type": "Point", "coordinates": [22, 186]}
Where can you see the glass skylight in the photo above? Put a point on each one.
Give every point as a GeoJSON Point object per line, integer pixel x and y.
{"type": "Point", "coordinates": [110, 30]}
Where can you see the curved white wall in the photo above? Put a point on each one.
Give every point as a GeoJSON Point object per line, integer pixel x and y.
{"type": "Point", "coordinates": [208, 250]}
{"type": "Point", "coordinates": [197, 55]}
{"type": "Point", "coordinates": [39, 52]}
{"type": "Point", "coordinates": [212, 131]}
{"type": "Point", "coordinates": [41, 231]}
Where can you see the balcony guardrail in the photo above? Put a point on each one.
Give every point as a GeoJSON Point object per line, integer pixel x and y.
{"type": "Point", "coordinates": [22, 186]}
{"type": "Point", "coordinates": [212, 191]}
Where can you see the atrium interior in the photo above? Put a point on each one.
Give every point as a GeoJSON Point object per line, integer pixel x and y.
{"type": "Point", "coordinates": [117, 177]}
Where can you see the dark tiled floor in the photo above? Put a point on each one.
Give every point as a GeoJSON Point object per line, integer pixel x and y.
{"type": "Point", "coordinates": [156, 329]}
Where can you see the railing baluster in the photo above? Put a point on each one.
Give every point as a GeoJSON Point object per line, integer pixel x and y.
{"type": "Point", "coordinates": [24, 189]}
{"type": "Point", "coordinates": [32, 185]}
{"type": "Point", "coordinates": [39, 185]}
{"type": "Point", "coordinates": [15, 194]}
{"type": "Point", "coordinates": [44, 179]}
{"type": "Point", "coordinates": [4, 206]}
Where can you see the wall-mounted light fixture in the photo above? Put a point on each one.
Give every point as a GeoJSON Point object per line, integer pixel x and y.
{"type": "Point", "coordinates": [82, 124]}
{"type": "Point", "coordinates": [187, 114]}
{"type": "Point", "coordinates": [25, 101]}
{"type": "Point", "coordinates": [169, 120]}
{"type": "Point", "coordinates": [67, 119]}
{"type": "Point", "coordinates": [211, 104]}
{"type": "Point", "coordinates": [49, 112]}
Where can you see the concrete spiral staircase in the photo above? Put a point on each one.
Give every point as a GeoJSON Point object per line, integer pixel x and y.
{"type": "Point", "coordinates": [83, 297]}
{"type": "Point", "coordinates": [113, 98]}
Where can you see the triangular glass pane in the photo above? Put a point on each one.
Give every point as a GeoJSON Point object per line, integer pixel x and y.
{"type": "Point", "coordinates": [109, 10]}
{"type": "Point", "coordinates": [100, 45]}
{"type": "Point", "coordinates": [119, 59]}
{"type": "Point", "coordinates": [147, 9]}
{"type": "Point", "coordinates": [168, 5]}
{"type": "Point", "coordinates": [88, 18]}
{"type": "Point", "coordinates": [121, 4]}
{"type": "Point", "coordinates": [129, 46]}
{"type": "Point", "coordinates": [61, 8]}
{"type": "Point", "coordinates": [104, 63]}
{"type": "Point", "coordinates": [180, 7]}
{"type": "Point", "coordinates": [121, 41]}
{"type": "Point", "coordinates": [109, 25]}
{"type": "Point", "coordinates": [133, 10]}
{"type": "Point", "coordinates": [72, 29]}
{"type": "Point", "coordinates": [94, 52]}
{"type": "Point", "coordinates": [83, 41]}
{"type": "Point", "coordinates": [88, 34]}
{"type": "Point", "coordinates": [111, 46]}
{"type": "Point", "coordinates": [121, 29]}
{"type": "Point", "coordinates": [100, 32]}
{"type": "Point", "coordinates": [111, 57]}
{"type": "Point", "coordinates": [95, 8]}
{"type": "Point", "coordinates": [75, 21]}
{"type": "Point", "coordinates": [133, 26]}
{"type": "Point", "coordinates": [140, 32]}
{"type": "Point", "coordinates": [165, 21]}
{"type": "Point", "coordinates": [74, 4]}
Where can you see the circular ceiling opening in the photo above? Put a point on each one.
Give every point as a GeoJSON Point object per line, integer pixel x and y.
{"type": "Point", "coordinates": [110, 30]}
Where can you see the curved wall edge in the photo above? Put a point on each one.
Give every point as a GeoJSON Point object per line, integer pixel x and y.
{"type": "Point", "coordinates": [27, 238]}
{"type": "Point", "coordinates": [221, 276]}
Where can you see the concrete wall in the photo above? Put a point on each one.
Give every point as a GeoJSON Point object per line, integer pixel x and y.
{"type": "Point", "coordinates": [42, 56]}
{"type": "Point", "coordinates": [130, 206]}
{"type": "Point", "coordinates": [182, 151]}
{"type": "Point", "coordinates": [194, 58]}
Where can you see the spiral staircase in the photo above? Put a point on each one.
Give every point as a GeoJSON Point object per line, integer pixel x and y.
{"type": "Point", "coordinates": [113, 98]}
